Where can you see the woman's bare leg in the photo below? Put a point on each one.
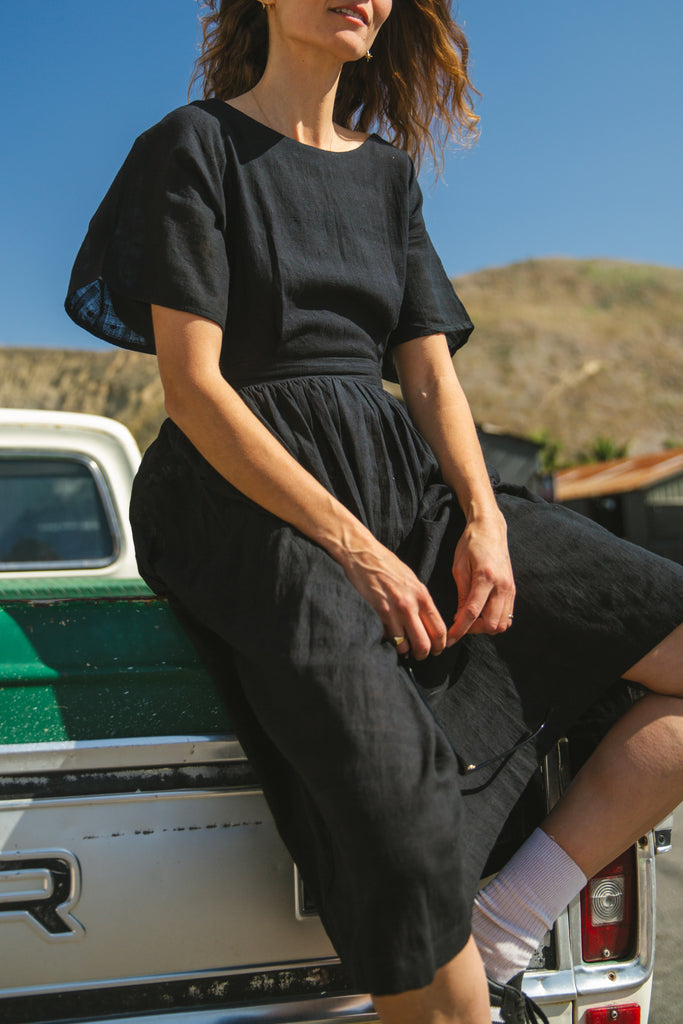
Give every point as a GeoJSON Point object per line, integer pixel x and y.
{"type": "Point", "coordinates": [458, 995]}
{"type": "Point", "coordinates": [635, 776]}
{"type": "Point", "coordinates": [632, 780]}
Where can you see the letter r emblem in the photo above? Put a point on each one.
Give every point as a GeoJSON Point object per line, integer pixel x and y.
{"type": "Point", "coordinates": [41, 887]}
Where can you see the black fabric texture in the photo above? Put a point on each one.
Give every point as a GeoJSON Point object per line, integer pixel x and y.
{"type": "Point", "coordinates": [389, 780]}
{"type": "Point", "coordinates": [194, 221]}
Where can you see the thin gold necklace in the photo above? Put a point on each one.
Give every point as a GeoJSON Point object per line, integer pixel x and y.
{"type": "Point", "coordinates": [268, 122]}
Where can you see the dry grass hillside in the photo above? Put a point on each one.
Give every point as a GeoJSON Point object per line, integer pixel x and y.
{"type": "Point", "coordinates": [578, 349]}
{"type": "Point", "coordinates": [110, 382]}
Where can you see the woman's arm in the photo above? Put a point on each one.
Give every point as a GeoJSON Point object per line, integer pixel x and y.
{"type": "Point", "coordinates": [439, 409]}
{"type": "Point", "coordinates": [229, 436]}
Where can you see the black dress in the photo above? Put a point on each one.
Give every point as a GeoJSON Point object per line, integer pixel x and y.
{"type": "Point", "coordinates": [389, 782]}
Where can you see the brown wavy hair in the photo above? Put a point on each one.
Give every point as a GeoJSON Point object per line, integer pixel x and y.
{"type": "Point", "coordinates": [416, 91]}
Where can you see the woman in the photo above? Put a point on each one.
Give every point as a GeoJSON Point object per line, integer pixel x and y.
{"type": "Point", "coordinates": [342, 566]}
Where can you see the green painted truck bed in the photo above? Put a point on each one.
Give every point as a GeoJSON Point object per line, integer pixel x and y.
{"type": "Point", "coordinates": [84, 660]}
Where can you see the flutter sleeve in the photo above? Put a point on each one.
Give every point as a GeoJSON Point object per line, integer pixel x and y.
{"type": "Point", "coordinates": [158, 236]}
{"type": "Point", "coordinates": [430, 304]}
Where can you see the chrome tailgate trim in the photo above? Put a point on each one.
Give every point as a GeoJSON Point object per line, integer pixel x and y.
{"type": "Point", "coordinates": [130, 752]}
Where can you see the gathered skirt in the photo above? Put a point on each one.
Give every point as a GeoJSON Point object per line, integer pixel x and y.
{"type": "Point", "coordinates": [389, 780]}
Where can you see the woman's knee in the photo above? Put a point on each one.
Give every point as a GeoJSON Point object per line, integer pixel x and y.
{"type": "Point", "coordinates": [654, 734]}
{"type": "Point", "coordinates": [661, 669]}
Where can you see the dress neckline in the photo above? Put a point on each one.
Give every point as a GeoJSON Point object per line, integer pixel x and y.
{"type": "Point", "coordinates": [295, 142]}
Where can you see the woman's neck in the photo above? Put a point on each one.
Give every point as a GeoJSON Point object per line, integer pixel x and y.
{"type": "Point", "coordinates": [296, 97]}
{"type": "Point", "coordinates": [298, 100]}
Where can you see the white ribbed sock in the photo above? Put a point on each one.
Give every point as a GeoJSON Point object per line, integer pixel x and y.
{"type": "Point", "coordinates": [513, 912]}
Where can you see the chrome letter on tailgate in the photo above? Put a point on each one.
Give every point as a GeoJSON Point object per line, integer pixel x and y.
{"type": "Point", "coordinates": [41, 887]}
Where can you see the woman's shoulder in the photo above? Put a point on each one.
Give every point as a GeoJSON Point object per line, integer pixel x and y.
{"type": "Point", "coordinates": [199, 119]}
{"type": "Point", "coordinates": [396, 165]}
{"type": "Point", "coordinates": [391, 153]}
{"type": "Point", "coordinates": [192, 135]}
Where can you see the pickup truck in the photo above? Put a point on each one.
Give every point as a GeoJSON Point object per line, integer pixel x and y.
{"type": "Point", "coordinates": [141, 876]}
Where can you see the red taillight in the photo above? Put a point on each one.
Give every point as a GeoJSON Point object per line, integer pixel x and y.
{"type": "Point", "coordinates": [609, 912]}
{"type": "Point", "coordinates": [614, 1015]}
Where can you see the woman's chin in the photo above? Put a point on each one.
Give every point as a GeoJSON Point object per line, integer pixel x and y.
{"type": "Point", "coordinates": [347, 50]}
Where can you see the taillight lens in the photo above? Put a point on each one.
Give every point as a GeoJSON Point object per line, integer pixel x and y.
{"type": "Point", "coordinates": [614, 1015]}
{"type": "Point", "coordinates": [609, 905]}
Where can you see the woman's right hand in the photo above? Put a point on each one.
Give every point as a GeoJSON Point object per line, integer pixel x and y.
{"type": "Point", "coordinates": [401, 600]}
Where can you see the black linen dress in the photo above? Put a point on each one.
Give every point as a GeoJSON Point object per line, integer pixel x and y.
{"type": "Point", "coordinates": [389, 782]}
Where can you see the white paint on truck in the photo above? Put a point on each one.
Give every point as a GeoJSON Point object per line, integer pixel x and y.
{"type": "Point", "coordinates": [103, 455]}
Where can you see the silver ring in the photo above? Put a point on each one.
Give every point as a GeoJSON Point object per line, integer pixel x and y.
{"type": "Point", "coordinates": [510, 617]}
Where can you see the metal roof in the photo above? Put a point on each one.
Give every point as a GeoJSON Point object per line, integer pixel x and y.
{"type": "Point", "coordinates": [617, 476]}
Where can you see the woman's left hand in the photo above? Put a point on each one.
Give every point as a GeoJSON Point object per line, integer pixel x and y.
{"type": "Point", "coordinates": [483, 576]}
{"type": "Point", "coordinates": [439, 409]}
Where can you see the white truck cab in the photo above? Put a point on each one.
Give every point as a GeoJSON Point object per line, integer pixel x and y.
{"type": "Point", "coordinates": [65, 481]}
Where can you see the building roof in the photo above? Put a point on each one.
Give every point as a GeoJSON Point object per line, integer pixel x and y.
{"type": "Point", "coordinates": [617, 476]}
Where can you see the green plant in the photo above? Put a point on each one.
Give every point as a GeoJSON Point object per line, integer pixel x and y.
{"type": "Point", "coordinates": [549, 454]}
{"type": "Point", "coordinates": [602, 449]}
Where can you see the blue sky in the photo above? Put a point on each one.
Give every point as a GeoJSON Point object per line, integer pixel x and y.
{"type": "Point", "coordinates": [581, 151]}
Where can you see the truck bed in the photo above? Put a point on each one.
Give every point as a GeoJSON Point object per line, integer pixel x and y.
{"type": "Point", "coordinates": [141, 875]}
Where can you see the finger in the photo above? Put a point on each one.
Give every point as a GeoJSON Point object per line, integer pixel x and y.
{"type": "Point", "coordinates": [498, 613]}
{"type": "Point", "coordinates": [462, 574]}
{"type": "Point", "coordinates": [434, 625]}
{"type": "Point", "coordinates": [508, 608]}
{"type": "Point", "coordinates": [401, 643]}
{"type": "Point", "coordinates": [469, 610]}
{"type": "Point", "coordinates": [418, 637]}
{"type": "Point", "coordinates": [429, 627]}
{"type": "Point", "coordinates": [493, 616]}
{"type": "Point", "coordinates": [396, 631]}
{"type": "Point", "coordinates": [509, 613]}
{"type": "Point", "coordinates": [413, 628]}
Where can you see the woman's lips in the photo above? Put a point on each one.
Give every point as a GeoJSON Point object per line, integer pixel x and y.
{"type": "Point", "coordinates": [354, 13]}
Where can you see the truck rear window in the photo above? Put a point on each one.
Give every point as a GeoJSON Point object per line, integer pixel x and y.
{"type": "Point", "coordinates": [53, 514]}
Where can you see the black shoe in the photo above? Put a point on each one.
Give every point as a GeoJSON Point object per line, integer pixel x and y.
{"type": "Point", "coordinates": [515, 1006]}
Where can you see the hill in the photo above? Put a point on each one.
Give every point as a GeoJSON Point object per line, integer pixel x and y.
{"type": "Point", "coordinates": [111, 382]}
{"type": "Point", "coordinates": [576, 349]}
